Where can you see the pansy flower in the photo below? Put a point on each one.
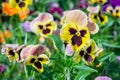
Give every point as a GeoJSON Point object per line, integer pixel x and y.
{"type": "Point", "coordinates": [87, 53]}
{"type": "Point", "coordinates": [76, 29]}
{"type": "Point", "coordinates": [74, 35]}
{"type": "Point", "coordinates": [113, 8]}
{"type": "Point", "coordinates": [98, 1]}
{"type": "Point", "coordinates": [96, 15]}
{"type": "Point", "coordinates": [43, 24]}
{"type": "Point", "coordinates": [37, 61]}
{"type": "Point", "coordinates": [21, 5]}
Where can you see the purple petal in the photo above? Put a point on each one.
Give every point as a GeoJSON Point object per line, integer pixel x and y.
{"type": "Point", "coordinates": [26, 26]}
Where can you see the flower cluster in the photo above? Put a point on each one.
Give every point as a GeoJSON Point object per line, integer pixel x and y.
{"type": "Point", "coordinates": [76, 31]}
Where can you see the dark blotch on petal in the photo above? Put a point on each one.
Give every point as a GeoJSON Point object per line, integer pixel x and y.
{"type": "Point", "coordinates": [76, 40]}
{"type": "Point", "coordinates": [11, 53]}
{"type": "Point", "coordinates": [38, 65]}
{"type": "Point", "coordinates": [117, 11]}
{"type": "Point", "coordinates": [32, 60]}
{"type": "Point", "coordinates": [89, 49]}
{"type": "Point", "coordinates": [46, 31]}
{"type": "Point", "coordinates": [21, 4]}
{"type": "Point", "coordinates": [48, 25]}
{"type": "Point", "coordinates": [17, 1]}
{"type": "Point", "coordinates": [95, 16]}
{"type": "Point", "coordinates": [81, 53]}
{"type": "Point", "coordinates": [101, 18]}
{"type": "Point", "coordinates": [40, 59]}
{"type": "Point", "coordinates": [72, 31]}
{"type": "Point", "coordinates": [83, 32]}
{"type": "Point", "coordinates": [88, 58]}
{"type": "Point", "coordinates": [40, 27]}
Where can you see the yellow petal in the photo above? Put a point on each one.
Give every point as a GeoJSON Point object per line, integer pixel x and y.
{"type": "Point", "coordinates": [38, 66]}
{"type": "Point", "coordinates": [30, 60]}
{"type": "Point", "coordinates": [65, 33]}
{"type": "Point", "coordinates": [43, 59]}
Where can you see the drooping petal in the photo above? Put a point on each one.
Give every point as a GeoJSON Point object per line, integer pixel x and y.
{"type": "Point", "coordinates": [95, 9]}
{"type": "Point", "coordinates": [93, 27]}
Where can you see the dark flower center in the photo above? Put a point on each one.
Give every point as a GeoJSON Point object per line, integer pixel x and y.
{"type": "Point", "coordinates": [101, 18]}
{"type": "Point", "coordinates": [76, 40]}
{"type": "Point", "coordinates": [38, 65]}
{"type": "Point", "coordinates": [46, 31]}
{"type": "Point", "coordinates": [21, 4]}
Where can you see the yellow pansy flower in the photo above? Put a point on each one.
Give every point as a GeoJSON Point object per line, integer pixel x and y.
{"type": "Point", "coordinates": [87, 53]}
{"type": "Point", "coordinates": [75, 35]}
{"type": "Point", "coordinates": [99, 17]}
{"type": "Point", "coordinates": [98, 1]}
{"type": "Point", "coordinates": [37, 61]}
{"type": "Point", "coordinates": [21, 5]}
{"type": "Point", "coordinates": [114, 11]}
{"type": "Point", "coordinates": [43, 24]}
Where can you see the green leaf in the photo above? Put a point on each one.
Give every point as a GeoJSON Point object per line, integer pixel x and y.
{"type": "Point", "coordinates": [86, 68]}
{"type": "Point", "coordinates": [111, 45]}
{"type": "Point", "coordinates": [58, 43]}
{"type": "Point", "coordinates": [82, 75]}
{"type": "Point", "coordinates": [104, 57]}
{"type": "Point", "coordinates": [84, 72]}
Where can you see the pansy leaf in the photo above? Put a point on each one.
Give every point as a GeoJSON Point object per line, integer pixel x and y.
{"type": "Point", "coordinates": [85, 68]}
{"type": "Point", "coordinates": [82, 75]}
{"type": "Point", "coordinates": [84, 72]}
{"type": "Point", "coordinates": [104, 57]}
{"type": "Point", "coordinates": [58, 43]}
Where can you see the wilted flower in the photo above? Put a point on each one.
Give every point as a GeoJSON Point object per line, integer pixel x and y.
{"type": "Point", "coordinates": [43, 24]}
{"type": "Point", "coordinates": [2, 68]}
{"type": "Point", "coordinates": [103, 78]}
{"type": "Point", "coordinates": [37, 61]}
{"type": "Point", "coordinates": [26, 26]}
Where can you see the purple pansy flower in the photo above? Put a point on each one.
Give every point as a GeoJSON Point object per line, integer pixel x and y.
{"type": "Point", "coordinates": [56, 10]}
{"type": "Point", "coordinates": [83, 4]}
{"type": "Point", "coordinates": [26, 26]}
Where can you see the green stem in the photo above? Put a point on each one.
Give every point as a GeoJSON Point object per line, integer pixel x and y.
{"type": "Point", "coordinates": [26, 72]}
